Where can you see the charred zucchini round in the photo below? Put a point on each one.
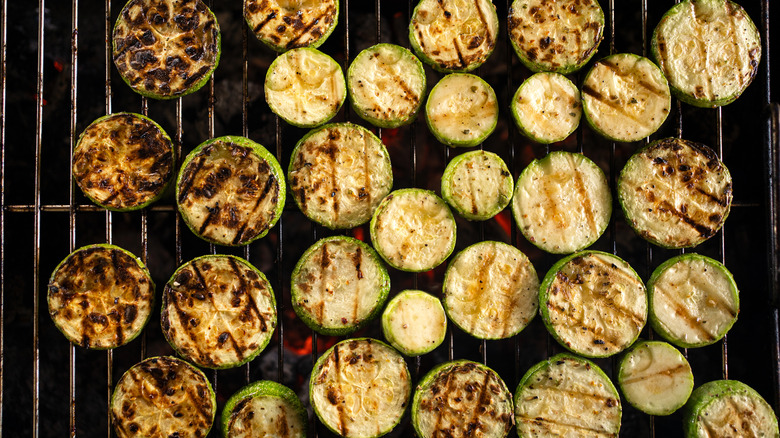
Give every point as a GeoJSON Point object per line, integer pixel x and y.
{"type": "Point", "coordinates": [477, 184]}
{"type": "Point", "coordinates": [724, 408]}
{"type": "Point", "coordinates": [547, 107]}
{"type": "Point", "coordinates": [288, 24]}
{"type": "Point", "coordinates": [462, 110]}
{"type": "Point", "coordinates": [230, 191]}
{"type": "Point", "coordinates": [414, 322]}
{"type": "Point", "coordinates": [218, 311]}
{"type": "Point", "coordinates": [100, 296]}
{"type": "Point", "coordinates": [166, 49]}
{"type": "Point", "coordinates": [264, 409]}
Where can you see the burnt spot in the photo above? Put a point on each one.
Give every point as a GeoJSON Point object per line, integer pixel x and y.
{"type": "Point", "coordinates": [130, 313]}
{"type": "Point", "coordinates": [187, 21]}
{"type": "Point", "coordinates": [545, 42]}
{"type": "Point", "coordinates": [142, 58]}
{"type": "Point", "coordinates": [148, 38]}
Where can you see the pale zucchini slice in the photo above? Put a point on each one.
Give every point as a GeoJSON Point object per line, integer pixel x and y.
{"type": "Point", "coordinates": [675, 193]}
{"type": "Point", "coordinates": [593, 303]}
{"type": "Point", "coordinates": [264, 409]}
{"type": "Point", "coordinates": [477, 184]}
{"type": "Point", "coordinates": [100, 296]}
{"type": "Point", "coordinates": [709, 51]}
{"type": "Point", "coordinates": [655, 378]}
{"type": "Point", "coordinates": [218, 311]}
{"type": "Point", "coordinates": [305, 87]}
{"type": "Point", "coordinates": [413, 230]}
{"type": "Point", "coordinates": [491, 290]}
{"type": "Point", "coordinates": [230, 191]}
{"type": "Point", "coordinates": [625, 97]}
{"type": "Point", "coordinates": [414, 322]}
{"type": "Point", "coordinates": [288, 24]}
{"type": "Point", "coordinates": [728, 408]}
{"type": "Point", "coordinates": [339, 285]}
{"type": "Point", "coordinates": [462, 399]}
{"type": "Point", "coordinates": [562, 202]}
{"type": "Point", "coordinates": [567, 396]}
{"type": "Point", "coordinates": [558, 36]}
{"type": "Point", "coordinates": [338, 175]}
{"type": "Point", "coordinates": [462, 110]}
{"type": "Point", "coordinates": [166, 49]}
{"type": "Point", "coordinates": [360, 388]}
{"type": "Point", "coordinates": [694, 300]}
{"type": "Point", "coordinates": [454, 35]}
{"type": "Point", "coordinates": [547, 107]}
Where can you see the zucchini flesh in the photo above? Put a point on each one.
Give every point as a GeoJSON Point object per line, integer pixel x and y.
{"type": "Point", "coordinates": [547, 107]}
{"type": "Point", "coordinates": [414, 322]}
{"type": "Point", "coordinates": [264, 409]}
{"type": "Point", "coordinates": [728, 408]}
{"type": "Point", "coordinates": [477, 184]}
{"type": "Point", "coordinates": [462, 110]}
{"type": "Point", "coordinates": [288, 24]}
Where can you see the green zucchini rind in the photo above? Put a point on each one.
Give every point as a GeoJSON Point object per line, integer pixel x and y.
{"type": "Point", "coordinates": [162, 397]}
{"type": "Point", "coordinates": [339, 285]}
{"type": "Point", "coordinates": [462, 399]}
{"type": "Point", "coordinates": [264, 408]}
{"type": "Point", "coordinates": [567, 396]}
{"type": "Point", "coordinates": [709, 51]}
{"type": "Point", "coordinates": [230, 191]}
{"type": "Point", "coordinates": [491, 290]}
{"type": "Point", "coordinates": [414, 322]}
{"type": "Point", "coordinates": [625, 97]}
{"type": "Point", "coordinates": [477, 184]}
{"type": "Point", "coordinates": [675, 193]}
{"type": "Point", "coordinates": [462, 110]}
{"type": "Point", "coordinates": [123, 161]}
{"type": "Point", "coordinates": [454, 35]}
{"type": "Point", "coordinates": [726, 408]}
{"type": "Point", "coordinates": [338, 175]}
{"type": "Point", "coordinates": [558, 36]}
{"type": "Point", "coordinates": [218, 311]}
{"type": "Point", "coordinates": [166, 49]}
{"type": "Point", "coordinates": [283, 24]}
{"type": "Point", "coordinates": [694, 300]}
{"type": "Point", "coordinates": [360, 388]}
{"type": "Point", "coordinates": [562, 202]}
{"type": "Point", "coordinates": [547, 107]}
{"type": "Point", "coordinates": [305, 87]}
{"type": "Point", "coordinates": [593, 303]}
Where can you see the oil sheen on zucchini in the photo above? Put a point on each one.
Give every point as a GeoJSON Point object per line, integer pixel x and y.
{"type": "Point", "coordinates": [288, 24]}
{"type": "Point", "coordinates": [414, 322]}
{"type": "Point", "coordinates": [264, 409]}
{"type": "Point", "coordinates": [477, 184]}
{"type": "Point", "coordinates": [547, 107]}
{"type": "Point", "coordinates": [462, 110]}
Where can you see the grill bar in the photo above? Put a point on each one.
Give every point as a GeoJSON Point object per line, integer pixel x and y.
{"type": "Point", "coordinates": [3, 83]}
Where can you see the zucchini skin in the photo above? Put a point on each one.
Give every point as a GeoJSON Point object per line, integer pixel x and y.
{"type": "Point", "coordinates": [265, 389]}
{"type": "Point", "coordinates": [313, 35]}
{"type": "Point", "coordinates": [714, 390]}
{"type": "Point", "coordinates": [451, 190]}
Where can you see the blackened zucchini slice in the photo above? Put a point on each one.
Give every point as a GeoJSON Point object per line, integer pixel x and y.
{"type": "Point", "coordinates": [454, 35]}
{"type": "Point", "coordinates": [338, 175]}
{"type": "Point", "coordinates": [264, 409]}
{"type": "Point", "coordinates": [625, 97]}
{"type": "Point", "coordinates": [547, 107]}
{"type": "Point", "coordinates": [339, 285]}
{"type": "Point", "coordinates": [360, 388]}
{"type": "Point", "coordinates": [165, 49]}
{"type": "Point", "coordinates": [477, 184]}
{"type": "Point", "coordinates": [414, 322]}
{"type": "Point", "coordinates": [491, 290]}
{"type": "Point", "coordinates": [558, 36]}
{"type": "Point", "coordinates": [675, 193]}
{"type": "Point", "coordinates": [462, 110]}
{"type": "Point", "coordinates": [218, 311]}
{"type": "Point", "coordinates": [728, 408]}
{"type": "Point", "coordinates": [288, 24]}
{"type": "Point", "coordinates": [305, 87]}
{"type": "Point", "coordinates": [593, 303]}
{"type": "Point", "coordinates": [162, 397]}
{"type": "Point", "coordinates": [694, 300]}
{"type": "Point", "coordinates": [562, 202]}
{"type": "Point", "coordinates": [386, 85]}
{"type": "Point", "coordinates": [230, 191]}
{"type": "Point", "coordinates": [567, 396]}
{"type": "Point", "coordinates": [413, 230]}
{"type": "Point", "coordinates": [709, 51]}
{"type": "Point", "coordinates": [100, 296]}
{"type": "Point", "coordinates": [462, 399]}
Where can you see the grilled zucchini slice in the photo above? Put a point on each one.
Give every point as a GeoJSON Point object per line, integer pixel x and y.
{"type": "Point", "coordinates": [562, 202]}
{"type": "Point", "coordinates": [218, 311]}
{"type": "Point", "coordinates": [559, 36]}
{"type": "Point", "coordinates": [338, 175]}
{"type": "Point", "coordinates": [462, 399]}
{"type": "Point", "coordinates": [462, 110]}
{"type": "Point", "coordinates": [305, 87]}
{"type": "Point", "coordinates": [625, 97]}
{"type": "Point", "coordinates": [454, 35]}
{"type": "Point", "coordinates": [230, 191]}
{"type": "Point", "coordinates": [162, 397]}
{"type": "Point", "coordinates": [166, 49]}
{"type": "Point", "coordinates": [709, 51]}
{"type": "Point", "coordinates": [477, 184]}
{"type": "Point", "coordinates": [413, 230]}
{"type": "Point", "coordinates": [675, 193]}
{"type": "Point", "coordinates": [547, 107]}
{"type": "Point", "coordinates": [288, 24]}
{"type": "Point", "coordinates": [728, 408]}
{"type": "Point", "coordinates": [360, 388]}
{"type": "Point", "coordinates": [414, 322]}
{"type": "Point", "coordinates": [567, 396]}
{"type": "Point", "coordinates": [100, 296]}
{"type": "Point", "coordinates": [593, 303]}
{"type": "Point", "coordinates": [491, 290]}
{"type": "Point", "coordinates": [694, 300]}
{"type": "Point", "coordinates": [264, 409]}
{"type": "Point", "coordinates": [339, 285]}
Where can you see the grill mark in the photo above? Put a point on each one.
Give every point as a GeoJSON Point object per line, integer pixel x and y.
{"type": "Point", "coordinates": [603, 99]}
{"type": "Point", "coordinates": [331, 151]}
{"type": "Point", "coordinates": [488, 36]}
{"type": "Point", "coordinates": [483, 399]}
{"type": "Point", "coordinates": [235, 414]}
{"type": "Point", "coordinates": [366, 169]}
{"type": "Point", "coordinates": [561, 424]}
{"type": "Point", "coordinates": [213, 214]}
{"type": "Point", "coordinates": [324, 264]}
{"type": "Point", "coordinates": [609, 302]}
{"type": "Point", "coordinates": [409, 94]}
{"type": "Point", "coordinates": [265, 21]}
{"type": "Point", "coordinates": [585, 199]}
{"type": "Point", "coordinates": [357, 259]}
{"type": "Point", "coordinates": [646, 85]}
{"type": "Point", "coordinates": [713, 198]}
{"type": "Point", "coordinates": [667, 372]}
{"type": "Point", "coordinates": [269, 185]}
{"type": "Point", "coordinates": [342, 426]}
{"type": "Point", "coordinates": [204, 415]}
{"type": "Point", "coordinates": [473, 189]}
{"type": "Point", "coordinates": [687, 317]}
{"type": "Point", "coordinates": [514, 280]}
{"type": "Point", "coordinates": [189, 177]}
{"type": "Point", "coordinates": [440, 413]}
{"type": "Point", "coordinates": [180, 313]}
{"type": "Point", "coordinates": [306, 30]}
{"type": "Point", "coordinates": [577, 394]}
{"type": "Point", "coordinates": [251, 304]}
{"type": "Point", "coordinates": [284, 429]}
{"type": "Point", "coordinates": [703, 230]}
{"type": "Point", "coordinates": [460, 55]}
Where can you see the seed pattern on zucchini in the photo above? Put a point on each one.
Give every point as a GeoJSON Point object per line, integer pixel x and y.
{"type": "Point", "coordinates": [289, 24]}
{"type": "Point", "coordinates": [477, 184]}
{"type": "Point", "coordinates": [218, 311]}
{"type": "Point", "coordinates": [264, 409]}
{"type": "Point", "coordinates": [547, 107]}
{"type": "Point", "coordinates": [462, 110]}
{"type": "Point", "coordinates": [166, 48]}
{"type": "Point", "coordinates": [414, 322]}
